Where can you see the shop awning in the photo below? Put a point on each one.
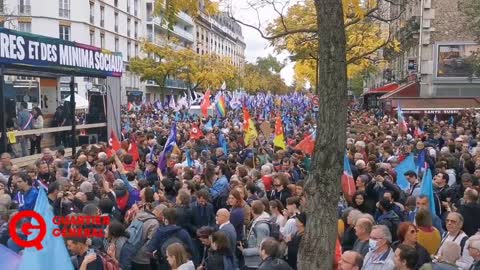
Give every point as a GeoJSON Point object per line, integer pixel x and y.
{"type": "Point", "coordinates": [406, 90]}
{"type": "Point", "coordinates": [436, 105]}
{"type": "Point", "coordinates": [383, 89]}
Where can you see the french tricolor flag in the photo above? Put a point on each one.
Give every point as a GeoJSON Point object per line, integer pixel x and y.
{"type": "Point", "coordinates": [348, 183]}
{"type": "Point", "coordinates": [402, 125]}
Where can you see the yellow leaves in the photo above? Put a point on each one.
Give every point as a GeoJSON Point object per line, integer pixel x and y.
{"type": "Point", "coordinates": [197, 70]}
{"type": "Point", "coordinates": [169, 9]}
{"type": "Point", "coordinates": [364, 37]}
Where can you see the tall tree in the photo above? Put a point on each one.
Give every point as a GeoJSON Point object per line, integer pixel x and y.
{"type": "Point", "coordinates": [323, 183]}
{"type": "Point", "coordinates": [295, 30]}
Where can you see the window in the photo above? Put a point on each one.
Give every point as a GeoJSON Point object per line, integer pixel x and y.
{"type": "Point", "coordinates": [25, 27]}
{"type": "Point", "coordinates": [102, 40]}
{"type": "Point", "coordinates": [102, 16]}
{"type": "Point", "coordinates": [92, 13]}
{"type": "Point", "coordinates": [24, 7]}
{"type": "Point", "coordinates": [116, 3]}
{"type": "Point", "coordinates": [128, 6]}
{"type": "Point", "coordinates": [135, 7]}
{"type": "Point", "coordinates": [92, 38]}
{"type": "Point", "coordinates": [64, 32]}
{"type": "Point", "coordinates": [129, 45]}
{"type": "Point", "coordinates": [117, 45]}
{"type": "Point", "coordinates": [129, 21]}
{"type": "Point", "coordinates": [64, 8]}
{"type": "Point", "coordinates": [136, 30]}
{"type": "Point", "coordinates": [116, 22]}
{"type": "Point", "coordinates": [136, 50]}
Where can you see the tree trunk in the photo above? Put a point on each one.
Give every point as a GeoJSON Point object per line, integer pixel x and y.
{"type": "Point", "coordinates": [323, 184]}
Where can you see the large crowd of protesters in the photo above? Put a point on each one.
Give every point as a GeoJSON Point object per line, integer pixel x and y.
{"type": "Point", "coordinates": [241, 206]}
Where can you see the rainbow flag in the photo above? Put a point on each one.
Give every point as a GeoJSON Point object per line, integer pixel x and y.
{"type": "Point", "coordinates": [221, 107]}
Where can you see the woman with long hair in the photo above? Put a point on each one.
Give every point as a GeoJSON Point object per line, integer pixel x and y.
{"type": "Point", "coordinates": [237, 214]}
{"type": "Point", "coordinates": [37, 123]}
{"type": "Point", "coordinates": [220, 256]}
{"type": "Point", "coordinates": [115, 238]}
{"type": "Point", "coordinates": [178, 258]}
{"type": "Point", "coordinates": [276, 210]}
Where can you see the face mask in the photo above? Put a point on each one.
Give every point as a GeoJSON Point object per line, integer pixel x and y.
{"type": "Point", "coordinates": [372, 244]}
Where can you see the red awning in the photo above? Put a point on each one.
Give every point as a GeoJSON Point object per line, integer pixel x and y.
{"type": "Point", "coordinates": [384, 89]}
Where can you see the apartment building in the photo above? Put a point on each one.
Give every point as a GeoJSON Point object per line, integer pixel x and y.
{"type": "Point", "coordinates": [435, 42]}
{"type": "Point", "coordinates": [114, 25]}
{"type": "Point", "coordinates": [220, 35]}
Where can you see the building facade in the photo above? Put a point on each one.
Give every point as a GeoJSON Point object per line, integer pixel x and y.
{"type": "Point", "coordinates": [436, 43]}
{"type": "Point", "coordinates": [121, 26]}
{"type": "Point", "coordinates": [220, 35]}
{"type": "Point", "coordinates": [114, 25]}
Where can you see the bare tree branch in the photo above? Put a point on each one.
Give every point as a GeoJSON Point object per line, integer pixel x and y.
{"type": "Point", "coordinates": [276, 36]}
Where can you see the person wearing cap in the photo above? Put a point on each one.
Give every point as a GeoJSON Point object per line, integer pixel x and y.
{"type": "Point", "coordinates": [414, 189]}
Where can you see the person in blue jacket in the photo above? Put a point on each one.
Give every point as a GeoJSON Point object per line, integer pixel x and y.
{"type": "Point", "coordinates": [220, 186]}
{"type": "Point", "coordinates": [28, 193]}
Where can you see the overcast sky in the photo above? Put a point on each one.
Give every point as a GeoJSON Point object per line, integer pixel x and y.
{"type": "Point", "coordinates": [256, 45]}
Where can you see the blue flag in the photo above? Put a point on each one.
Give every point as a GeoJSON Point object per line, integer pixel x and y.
{"type": "Point", "coordinates": [8, 258]}
{"type": "Point", "coordinates": [54, 255]}
{"type": "Point", "coordinates": [426, 189]}
{"type": "Point", "coordinates": [407, 165]}
{"type": "Point", "coordinates": [421, 161]}
{"type": "Point", "coordinates": [451, 121]}
{"type": "Point", "coordinates": [223, 143]}
{"type": "Point", "coordinates": [171, 141]}
{"type": "Point", "coordinates": [189, 158]}
{"type": "Point", "coordinates": [208, 126]}
{"type": "Point", "coordinates": [178, 118]}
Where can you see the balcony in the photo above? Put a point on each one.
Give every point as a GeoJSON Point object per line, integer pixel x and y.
{"type": "Point", "coordinates": [64, 13]}
{"type": "Point", "coordinates": [92, 19]}
{"type": "Point", "coordinates": [24, 9]}
{"type": "Point", "coordinates": [185, 18]}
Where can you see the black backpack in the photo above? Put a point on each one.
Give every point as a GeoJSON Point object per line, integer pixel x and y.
{"type": "Point", "coordinates": [273, 228]}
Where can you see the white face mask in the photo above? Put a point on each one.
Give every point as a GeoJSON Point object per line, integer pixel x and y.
{"type": "Point", "coordinates": [372, 244]}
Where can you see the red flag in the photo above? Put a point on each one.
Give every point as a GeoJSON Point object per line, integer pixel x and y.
{"type": "Point", "coordinates": [308, 144]}
{"type": "Point", "coordinates": [195, 133]}
{"type": "Point", "coordinates": [114, 142]}
{"type": "Point", "coordinates": [205, 103]}
{"type": "Point", "coordinates": [133, 149]}
{"type": "Point", "coordinates": [130, 106]}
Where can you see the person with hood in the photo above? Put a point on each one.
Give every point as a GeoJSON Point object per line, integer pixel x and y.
{"type": "Point", "coordinates": [169, 234]}
{"type": "Point", "coordinates": [259, 230]}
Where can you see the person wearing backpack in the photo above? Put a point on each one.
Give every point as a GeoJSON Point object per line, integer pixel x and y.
{"type": "Point", "coordinates": [141, 231]}
{"type": "Point", "coordinates": [388, 217]}
{"type": "Point", "coordinates": [167, 235]}
{"type": "Point", "coordinates": [83, 258]}
{"type": "Point", "coordinates": [259, 230]}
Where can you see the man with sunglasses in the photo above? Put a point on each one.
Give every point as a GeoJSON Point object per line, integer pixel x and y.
{"type": "Point", "coordinates": [454, 233]}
